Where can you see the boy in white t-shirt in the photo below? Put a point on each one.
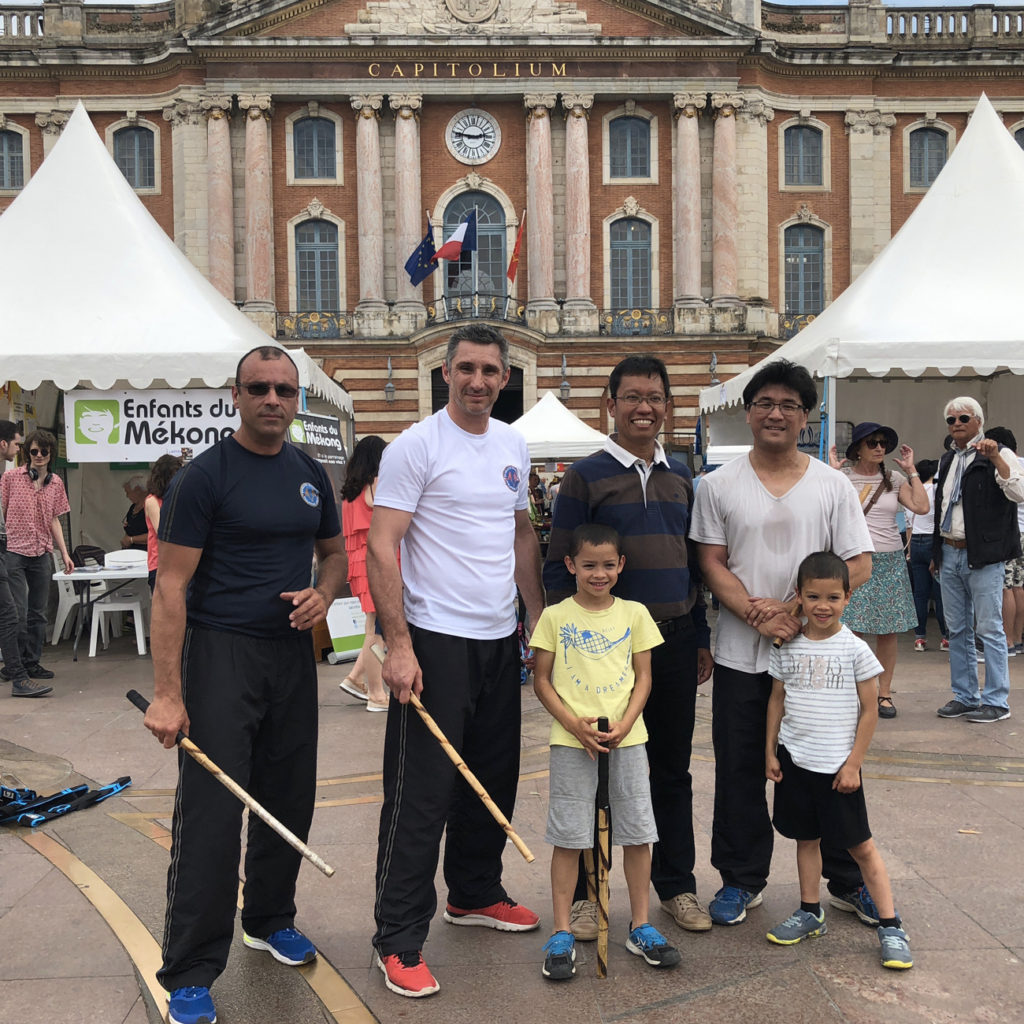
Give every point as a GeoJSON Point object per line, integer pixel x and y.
{"type": "Point", "coordinates": [821, 716]}
{"type": "Point", "coordinates": [593, 660]}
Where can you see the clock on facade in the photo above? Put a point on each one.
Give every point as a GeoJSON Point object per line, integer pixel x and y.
{"type": "Point", "coordinates": [473, 136]}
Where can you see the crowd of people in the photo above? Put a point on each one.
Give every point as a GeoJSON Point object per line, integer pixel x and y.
{"type": "Point", "coordinates": [802, 559]}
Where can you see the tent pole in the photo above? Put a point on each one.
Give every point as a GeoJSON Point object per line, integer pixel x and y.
{"type": "Point", "coordinates": [830, 414]}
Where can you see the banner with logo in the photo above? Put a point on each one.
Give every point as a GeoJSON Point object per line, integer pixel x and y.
{"type": "Point", "coordinates": [140, 426]}
{"type": "Point", "coordinates": [321, 437]}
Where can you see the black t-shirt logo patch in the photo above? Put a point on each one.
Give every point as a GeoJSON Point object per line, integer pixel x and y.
{"type": "Point", "coordinates": [310, 495]}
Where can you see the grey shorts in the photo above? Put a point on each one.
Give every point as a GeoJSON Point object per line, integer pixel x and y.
{"type": "Point", "coordinates": [573, 789]}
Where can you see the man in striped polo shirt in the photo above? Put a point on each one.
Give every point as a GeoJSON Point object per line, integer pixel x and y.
{"type": "Point", "coordinates": [632, 486]}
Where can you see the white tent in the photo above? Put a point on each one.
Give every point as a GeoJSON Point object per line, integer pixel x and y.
{"type": "Point", "coordinates": [92, 291]}
{"type": "Point", "coordinates": [554, 432]}
{"type": "Point", "coordinates": [935, 315]}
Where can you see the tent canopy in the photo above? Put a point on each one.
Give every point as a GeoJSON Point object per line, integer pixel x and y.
{"type": "Point", "coordinates": [941, 299]}
{"type": "Point", "coordinates": [554, 432]}
{"type": "Point", "coordinates": [94, 292]}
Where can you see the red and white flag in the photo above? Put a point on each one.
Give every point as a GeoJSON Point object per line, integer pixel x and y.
{"type": "Point", "coordinates": [463, 239]}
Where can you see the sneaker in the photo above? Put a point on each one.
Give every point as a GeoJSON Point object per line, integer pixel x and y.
{"type": "Point", "coordinates": [26, 688]}
{"type": "Point", "coordinates": [1011, 651]}
{"type": "Point", "coordinates": [687, 912]}
{"type": "Point", "coordinates": [287, 945]}
{"type": "Point", "coordinates": [800, 925]}
{"type": "Point", "coordinates": [560, 962]}
{"type": "Point", "coordinates": [354, 689]}
{"type": "Point", "coordinates": [407, 974]}
{"type": "Point", "coordinates": [36, 671]}
{"type": "Point", "coordinates": [920, 645]}
{"type": "Point", "coordinates": [956, 708]}
{"type": "Point", "coordinates": [981, 656]}
{"type": "Point", "coordinates": [987, 713]}
{"type": "Point", "coordinates": [730, 904]}
{"type": "Point", "coordinates": [1019, 648]}
{"type": "Point", "coordinates": [944, 644]}
{"type": "Point", "coordinates": [192, 1005]}
{"type": "Point", "coordinates": [583, 920]}
{"type": "Point", "coordinates": [858, 902]}
{"type": "Point", "coordinates": [645, 940]}
{"type": "Point", "coordinates": [506, 916]}
{"type": "Point", "coordinates": [895, 949]}
{"type": "Point", "coordinates": [886, 708]}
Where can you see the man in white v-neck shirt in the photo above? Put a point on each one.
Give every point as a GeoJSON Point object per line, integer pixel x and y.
{"type": "Point", "coordinates": [754, 520]}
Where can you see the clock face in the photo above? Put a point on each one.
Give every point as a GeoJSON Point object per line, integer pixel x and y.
{"type": "Point", "coordinates": [473, 136]}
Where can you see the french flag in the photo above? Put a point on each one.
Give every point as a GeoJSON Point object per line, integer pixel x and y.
{"type": "Point", "coordinates": [462, 240]}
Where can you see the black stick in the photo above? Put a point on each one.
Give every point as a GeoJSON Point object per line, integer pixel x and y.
{"type": "Point", "coordinates": [602, 855]}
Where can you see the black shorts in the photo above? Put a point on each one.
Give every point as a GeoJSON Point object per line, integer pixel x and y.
{"type": "Point", "coordinates": [807, 807]}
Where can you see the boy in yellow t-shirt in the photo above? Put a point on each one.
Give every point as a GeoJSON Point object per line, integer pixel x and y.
{"type": "Point", "coordinates": [593, 660]}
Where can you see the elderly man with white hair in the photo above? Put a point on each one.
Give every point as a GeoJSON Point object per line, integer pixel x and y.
{"type": "Point", "coordinates": [976, 497]}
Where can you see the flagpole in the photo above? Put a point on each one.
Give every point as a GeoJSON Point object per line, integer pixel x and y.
{"type": "Point", "coordinates": [475, 258]}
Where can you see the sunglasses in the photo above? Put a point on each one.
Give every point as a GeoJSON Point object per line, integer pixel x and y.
{"type": "Point", "coordinates": [260, 389]}
{"type": "Point", "coordinates": [962, 418]}
{"type": "Point", "coordinates": [39, 451]}
{"type": "Point", "coordinates": [875, 442]}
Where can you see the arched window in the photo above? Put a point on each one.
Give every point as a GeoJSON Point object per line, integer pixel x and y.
{"type": "Point", "coordinates": [927, 156]}
{"type": "Point", "coordinates": [1018, 136]}
{"type": "Point", "coordinates": [316, 267]}
{"type": "Point", "coordinates": [12, 160]}
{"type": "Point", "coordinates": [629, 148]}
{"type": "Point", "coordinates": [134, 156]}
{"type": "Point", "coordinates": [483, 271]}
{"type": "Point", "coordinates": [313, 142]}
{"type": "Point", "coordinates": [805, 269]}
{"type": "Point", "coordinates": [803, 155]}
{"type": "Point", "coordinates": [630, 264]}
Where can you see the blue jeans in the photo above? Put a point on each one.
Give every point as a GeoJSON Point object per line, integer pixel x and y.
{"type": "Point", "coordinates": [975, 594]}
{"type": "Point", "coordinates": [9, 647]}
{"type": "Point", "coordinates": [926, 586]}
{"type": "Point", "coordinates": [30, 587]}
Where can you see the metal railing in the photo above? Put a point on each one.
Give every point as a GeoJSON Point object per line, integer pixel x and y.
{"type": "Point", "coordinates": [21, 22]}
{"type": "Point", "coordinates": [626, 322]}
{"type": "Point", "coordinates": [791, 323]}
{"type": "Point", "coordinates": [313, 325]}
{"type": "Point", "coordinates": [487, 305]}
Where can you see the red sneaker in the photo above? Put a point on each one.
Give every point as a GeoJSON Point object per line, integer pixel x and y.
{"type": "Point", "coordinates": [506, 916]}
{"type": "Point", "coordinates": [407, 974]}
{"type": "Point", "coordinates": [944, 644]}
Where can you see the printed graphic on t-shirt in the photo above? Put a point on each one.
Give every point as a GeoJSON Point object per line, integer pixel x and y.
{"type": "Point", "coordinates": [616, 655]}
{"type": "Point", "coordinates": [812, 671]}
{"type": "Point", "coordinates": [510, 474]}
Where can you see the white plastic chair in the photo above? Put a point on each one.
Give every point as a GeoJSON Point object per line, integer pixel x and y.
{"type": "Point", "coordinates": [119, 601]}
{"type": "Point", "coordinates": [67, 603]}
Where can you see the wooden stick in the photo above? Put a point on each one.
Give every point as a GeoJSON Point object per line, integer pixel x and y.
{"type": "Point", "coordinates": [603, 856]}
{"type": "Point", "coordinates": [456, 759]}
{"type": "Point", "coordinates": [229, 783]}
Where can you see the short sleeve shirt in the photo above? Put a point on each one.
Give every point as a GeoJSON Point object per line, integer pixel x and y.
{"type": "Point", "coordinates": [29, 512]}
{"type": "Point", "coordinates": [593, 668]}
{"type": "Point", "coordinates": [256, 518]}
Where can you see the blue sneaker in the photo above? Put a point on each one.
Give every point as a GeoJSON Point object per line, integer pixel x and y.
{"type": "Point", "coordinates": [895, 949]}
{"type": "Point", "coordinates": [858, 902]}
{"type": "Point", "coordinates": [730, 904]}
{"type": "Point", "coordinates": [289, 946]}
{"type": "Point", "coordinates": [645, 940]}
{"type": "Point", "coordinates": [800, 925]}
{"type": "Point", "coordinates": [560, 962]}
{"type": "Point", "coordinates": [191, 1005]}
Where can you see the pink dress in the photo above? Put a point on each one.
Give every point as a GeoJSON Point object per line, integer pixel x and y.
{"type": "Point", "coordinates": [355, 524]}
{"type": "Point", "coordinates": [151, 541]}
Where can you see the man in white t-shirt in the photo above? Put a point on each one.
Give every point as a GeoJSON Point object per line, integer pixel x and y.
{"type": "Point", "coordinates": [754, 520]}
{"type": "Point", "coordinates": [453, 492]}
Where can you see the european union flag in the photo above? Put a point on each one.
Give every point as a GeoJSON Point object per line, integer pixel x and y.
{"type": "Point", "coordinates": [419, 265]}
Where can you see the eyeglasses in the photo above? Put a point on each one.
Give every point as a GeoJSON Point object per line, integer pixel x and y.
{"type": "Point", "coordinates": [962, 418]}
{"type": "Point", "coordinates": [260, 389]}
{"type": "Point", "coordinates": [39, 451]}
{"type": "Point", "coordinates": [631, 400]}
{"type": "Point", "coordinates": [875, 442]}
{"type": "Point", "coordinates": [765, 406]}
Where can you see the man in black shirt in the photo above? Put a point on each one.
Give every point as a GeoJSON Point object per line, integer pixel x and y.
{"type": "Point", "coordinates": [234, 669]}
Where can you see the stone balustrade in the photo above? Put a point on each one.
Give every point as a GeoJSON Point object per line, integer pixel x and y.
{"type": "Point", "coordinates": [20, 22]}
{"type": "Point", "coordinates": [943, 26]}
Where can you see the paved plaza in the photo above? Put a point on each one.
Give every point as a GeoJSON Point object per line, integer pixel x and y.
{"type": "Point", "coordinates": [82, 898]}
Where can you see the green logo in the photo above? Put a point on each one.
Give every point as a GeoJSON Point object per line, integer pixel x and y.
{"type": "Point", "coordinates": [98, 421]}
{"type": "Point", "coordinates": [297, 431]}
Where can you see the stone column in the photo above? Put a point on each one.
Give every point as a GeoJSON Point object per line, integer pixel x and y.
{"type": "Point", "coordinates": [686, 212]}
{"type": "Point", "coordinates": [52, 124]}
{"type": "Point", "coordinates": [259, 223]}
{"type": "Point", "coordinates": [870, 185]}
{"type": "Point", "coordinates": [541, 308]}
{"type": "Point", "coordinates": [579, 314]}
{"type": "Point", "coordinates": [410, 313]}
{"type": "Point", "coordinates": [370, 314]}
{"type": "Point", "coordinates": [752, 212]}
{"type": "Point", "coordinates": [724, 283]}
{"type": "Point", "coordinates": [220, 222]}
{"type": "Point", "coordinates": [188, 160]}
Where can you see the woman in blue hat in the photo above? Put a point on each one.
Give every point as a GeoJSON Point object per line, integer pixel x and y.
{"type": "Point", "coordinates": [884, 606]}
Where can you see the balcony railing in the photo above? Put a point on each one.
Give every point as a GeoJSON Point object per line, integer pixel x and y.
{"type": "Point", "coordinates": [16, 22]}
{"type": "Point", "coordinates": [793, 322]}
{"type": "Point", "coordinates": [313, 326]}
{"type": "Point", "coordinates": [627, 322]}
{"type": "Point", "coordinates": [488, 305]}
{"type": "Point", "coordinates": [963, 26]}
